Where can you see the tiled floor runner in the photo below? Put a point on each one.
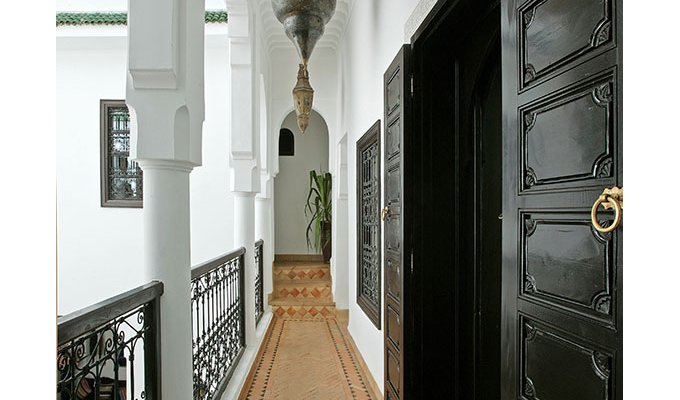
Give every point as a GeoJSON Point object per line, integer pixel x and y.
{"type": "Point", "coordinates": [307, 359]}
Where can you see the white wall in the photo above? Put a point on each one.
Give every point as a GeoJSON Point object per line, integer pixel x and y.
{"type": "Point", "coordinates": [372, 39]}
{"type": "Point", "coordinates": [100, 249]}
{"type": "Point", "coordinates": [291, 185]}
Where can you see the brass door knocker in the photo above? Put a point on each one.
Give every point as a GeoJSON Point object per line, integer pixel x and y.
{"type": "Point", "coordinates": [610, 198]}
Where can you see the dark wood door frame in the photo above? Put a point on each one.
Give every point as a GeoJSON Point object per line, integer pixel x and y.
{"type": "Point", "coordinates": [440, 213]}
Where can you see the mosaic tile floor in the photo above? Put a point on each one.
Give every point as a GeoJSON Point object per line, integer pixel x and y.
{"type": "Point", "coordinates": [307, 359]}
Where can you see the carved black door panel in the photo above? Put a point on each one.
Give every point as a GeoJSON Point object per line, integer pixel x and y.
{"type": "Point", "coordinates": [562, 279]}
{"type": "Point", "coordinates": [397, 100]}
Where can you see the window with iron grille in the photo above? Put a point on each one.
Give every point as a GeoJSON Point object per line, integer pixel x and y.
{"type": "Point", "coordinates": [121, 178]}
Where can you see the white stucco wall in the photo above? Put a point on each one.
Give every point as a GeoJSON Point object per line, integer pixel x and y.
{"type": "Point", "coordinates": [100, 249]}
{"type": "Point", "coordinates": [291, 185]}
{"type": "Point", "coordinates": [374, 34]}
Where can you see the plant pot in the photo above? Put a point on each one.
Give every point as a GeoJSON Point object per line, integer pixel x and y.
{"type": "Point", "coordinates": [326, 241]}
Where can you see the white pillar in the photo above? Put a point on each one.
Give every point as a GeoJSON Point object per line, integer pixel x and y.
{"type": "Point", "coordinates": [167, 258]}
{"type": "Point", "coordinates": [243, 157]}
{"type": "Point", "coordinates": [166, 101]}
{"type": "Point", "coordinates": [244, 235]}
{"type": "Point", "coordinates": [261, 217]}
{"type": "Point", "coordinates": [263, 231]}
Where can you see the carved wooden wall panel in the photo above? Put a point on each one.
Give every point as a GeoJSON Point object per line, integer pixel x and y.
{"type": "Point", "coordinates": [393, 95]}
{"type": "Point", "coordinates": [556, 33]}
{"type": "Point", "coordinates": [555, 366]}
{"type": "Point", "coordinates": [580, 119]}
{"type": "Point", "coordinates": [393, 326]}
{"type": "Point", "coordinates": [393, 140]}
{"type": "Point", "coordinates": [393, 370]}
{"type": "Point", "coordinates": [392, 234]}
{"type": "Point", "coordinates": [393, 278]}
{"type": "Point", "coordinates": [566, 263]}
{"type": "Point", "coordinates": [369, 276]}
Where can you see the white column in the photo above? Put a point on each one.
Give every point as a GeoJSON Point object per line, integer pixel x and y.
{"type": "Point", "coordinates": [263, 231]}
{"type": "Point", "coordinates": [167, 258]}
{"type": "Point", "coordinates": [244, 235]}
{"type": "Point", "coordinates": [261, 217]}
{"type": "Point", "coordinates": [166, 102]}
{"type": "Point", "coordinates": [243, 157]}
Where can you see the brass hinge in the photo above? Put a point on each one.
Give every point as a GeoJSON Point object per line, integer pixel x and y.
{"type": "Point", "coordinates": [412, 85]}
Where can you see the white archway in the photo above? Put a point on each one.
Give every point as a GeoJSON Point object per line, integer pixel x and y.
{"type": "Point", "coordinates": [291, 184]}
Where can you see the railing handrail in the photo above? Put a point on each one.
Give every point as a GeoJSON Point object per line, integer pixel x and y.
{"type": "Point", "coordinates": [209, 265]}
{"type": "Point", "coordinates": [79, 322]}
{"type": "Point", "coordinates": [259, 242]}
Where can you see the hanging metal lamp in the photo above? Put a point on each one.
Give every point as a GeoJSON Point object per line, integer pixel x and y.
{"type": "Point", "coordinates": [304, 22]}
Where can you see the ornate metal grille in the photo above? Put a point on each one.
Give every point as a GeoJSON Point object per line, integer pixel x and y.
{"type": "Point", "coordinates": [118, 358]}
{"type": "Point", "coordinates": [259, 289]}
{"type": "Point", "coordinates": [121, 177]}
{"type": "Point", "coordinates": [368, 235]}
{"type": "Point", "coordinates": [218, 322]}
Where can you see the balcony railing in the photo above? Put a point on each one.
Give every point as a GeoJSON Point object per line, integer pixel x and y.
{"type": "Point", "coordinates": [111, 350]}
{"type": "Point", "coordinates": [259, 288]}
{"type": "Point", "coordinates": [218, 322]}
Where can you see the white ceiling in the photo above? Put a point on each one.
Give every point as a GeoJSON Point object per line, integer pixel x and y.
{"type": "Point", "coordinates": [275, 37]}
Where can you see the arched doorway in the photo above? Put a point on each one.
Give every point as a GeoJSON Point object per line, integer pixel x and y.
{"type": "Point", "coordinates": [308, 151]}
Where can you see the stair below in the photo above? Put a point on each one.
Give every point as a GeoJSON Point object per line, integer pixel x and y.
{"type": "Point", "coordinates": [301, 271]}
{"type": "Point", "coordinates": [302, 290]}
{"type": "Point", "coordinates": [304, 311]}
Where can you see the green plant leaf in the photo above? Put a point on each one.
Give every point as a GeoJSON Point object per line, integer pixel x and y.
{"type": "Point", "coordinates": [318, 208]}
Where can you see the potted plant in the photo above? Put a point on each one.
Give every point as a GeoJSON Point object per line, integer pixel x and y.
{"type": "Point", "coordinates": [318, 209]}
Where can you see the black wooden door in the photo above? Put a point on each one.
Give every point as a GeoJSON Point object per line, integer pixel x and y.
{"type": "Point", "coordinates": [562, 279]}
{"type": "Point", "coordinates": [397, 102]}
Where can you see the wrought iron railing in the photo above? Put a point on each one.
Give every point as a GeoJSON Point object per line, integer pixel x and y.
{"type": "Point", "coordinates": [259, 284]}
{"type": "Point", "coordinates": [218, 322]}
{"type": "Point", "coordinates": [111, 350]}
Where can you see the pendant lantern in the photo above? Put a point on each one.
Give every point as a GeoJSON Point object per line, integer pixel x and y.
{"type": "Point", "coordinates": [304, 22]}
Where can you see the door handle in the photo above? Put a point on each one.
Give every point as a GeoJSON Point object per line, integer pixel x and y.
{"type": "Point", "coordinates": [385, 212]}
{"type": "Point", "coordinates": [610, 198]}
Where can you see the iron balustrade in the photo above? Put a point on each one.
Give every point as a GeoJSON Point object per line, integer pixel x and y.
{"type": "Point", "coordinates": [218, 322]}
{"type": "Point", "coordinates": [111, 350]}
{"type": "Point", "coordinates": [259, 288]}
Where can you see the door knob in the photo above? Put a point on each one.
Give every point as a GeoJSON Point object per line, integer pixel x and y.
{"type": "Point", "coordinates": [610, 198]}
{"type": "Point", "coordinates": [385, 212]}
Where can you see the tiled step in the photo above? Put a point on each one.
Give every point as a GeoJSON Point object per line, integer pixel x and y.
{"type": "Point", "coordinates": [300, 271]}
{"type": "Point", "coordinates": [303, 289]}
{"type": "Point", "coordinates": [304, 311]}
{"type": "Point", "coordinates": [301, 301]}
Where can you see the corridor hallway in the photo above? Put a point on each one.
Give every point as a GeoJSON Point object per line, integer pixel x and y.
{"type": "Point", "coordinates": [307, 352]}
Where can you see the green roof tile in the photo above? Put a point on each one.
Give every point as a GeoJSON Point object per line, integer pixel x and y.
{"type": "Point", "coordinates": [119, 18]}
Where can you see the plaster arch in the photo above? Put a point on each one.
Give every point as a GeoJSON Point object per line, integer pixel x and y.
{"type": "Point", "coordinates": [291, 184]}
